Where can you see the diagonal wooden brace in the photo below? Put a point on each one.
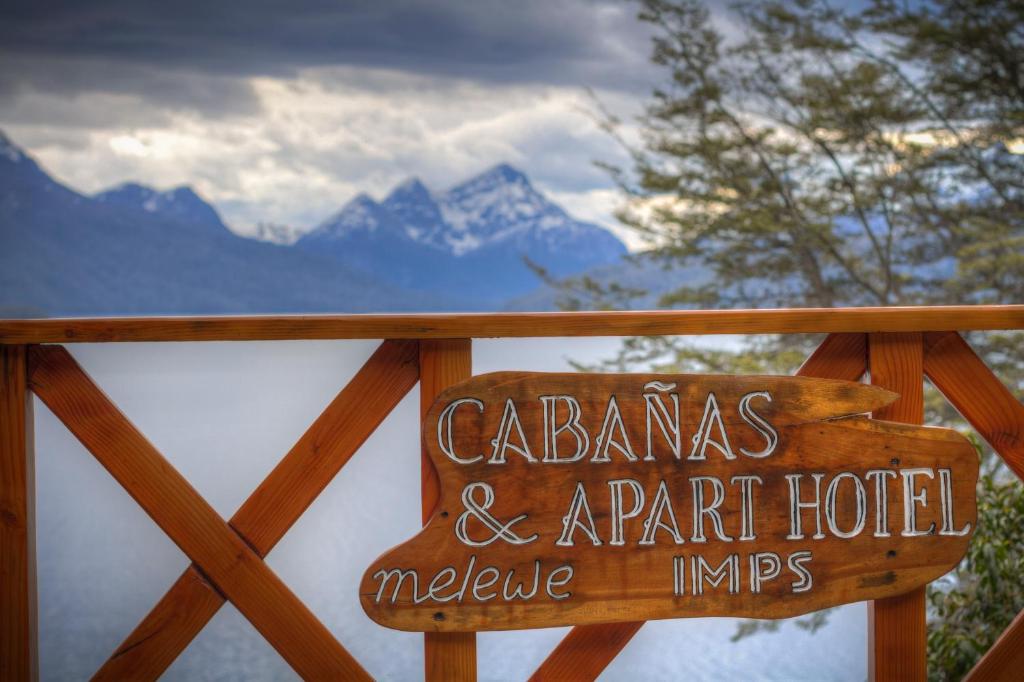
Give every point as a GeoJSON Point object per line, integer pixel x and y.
{"type": "Point", "coordinates": [231, 560]}
{"type": "Point", "coordinates": [588, 649]}
{"type": "Point", "coordinates": [982, 399]}
{"type": "Point", "coordinates": [977, 394]}
{"type": "Point", "coordinates": [273, 507]}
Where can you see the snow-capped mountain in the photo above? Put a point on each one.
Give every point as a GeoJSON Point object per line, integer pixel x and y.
{"type": "Point", "coordinates": [470, 241]}
{"type": "Point", "coordinates": [417, 210]}
{"type": "Point", "coordinates": [180, 203]}
{"type": "Point", "coordinates": [8, 150]}
{"type": "Point", "coordinates": [23, 182]}
{"type": "Point", "coordinates": [134, 249]}
{"type": "Point", "coordinates": [359, 217]}
{"type": "Point", "coordinates": [138, 251]}
{"type": "Point", "coordinates": [498, 205]}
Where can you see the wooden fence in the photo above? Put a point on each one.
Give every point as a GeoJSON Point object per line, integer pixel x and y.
{"type": "Point", "coordinates": [896, 347]}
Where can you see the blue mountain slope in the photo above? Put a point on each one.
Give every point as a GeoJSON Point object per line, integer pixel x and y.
{"type": "Point", "coordinates": [181, 204]}
{"type": "Point", "coordinates": [413, 205]}
{"type": "Point", "coordinates": [62, 253]}
{"type": "Point", "coordinates": [470, 242]}
{"type": "Point", "coordinates": [641, 273]}
{"type": "Point", "coordinates": [137, 250]}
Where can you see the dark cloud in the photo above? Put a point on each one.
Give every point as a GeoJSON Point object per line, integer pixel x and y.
{"type": "Point", "coordinates": [563, 42]}
{"type": "Point", "coordinates": [132, 94]}
{"type": "Point", "coordinates": [166, 93]}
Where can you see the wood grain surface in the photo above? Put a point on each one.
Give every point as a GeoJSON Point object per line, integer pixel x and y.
{"type": "Point", "coordinates": [624, 578]}
{"type": "Point", "coordinates": [897, 634]}
{"type": "Point", "coordinates": [896, 357]}
{"type": "Point", "coordinates": [229, 562]}
{"type": "Point", "coordinates": [1005, 660]}
{"type": "Point", "coordinates": [484, 325]}
{"type": "Point", "coordinates": [585, 652]}
{"type": "Point", "coordinates": [448, 656]}
{"type": "Point", "coordinates": [588, 649]}
{"type": "Point", "coordinates": [985, 402]}
{"type": "Point", "coordinates": [18, 649]}
{"type": "Point", "coordinates": [263, 519]}
{"type": "Point", "coordinates": [978, 394]}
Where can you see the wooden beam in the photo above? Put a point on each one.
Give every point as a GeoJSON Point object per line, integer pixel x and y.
{"type": "Point", "coordinates": [18, 636]}
{"type": "Point", "coordinates": [840, 356]}
{"type": "Point", "coordinates": [897, 637]}
{"type": "Point", "coordinates": [264, 518]}
{"type": "Point", "coordinates": [587, 650]}
{"type": "Point", "coordinates": [971, 387]}
{"type": "Point", "coordinates": [448, 656]}
{"type": "Point", "coordinates": [483, 325]}
{"type": "Point", "coordinates": [390, 373]}
{"type": "Point", "coordinates": [166, 631]}
{"type": "Point", "coordinates": [1005, 660]}
{"type": "Point", "coordinates": [231, 564]}
{"type": "Point", "coordinates": [987, 405]}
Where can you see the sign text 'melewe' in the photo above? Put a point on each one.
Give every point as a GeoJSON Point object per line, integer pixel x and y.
{"type": "Point", "coordinates": [575, 498]}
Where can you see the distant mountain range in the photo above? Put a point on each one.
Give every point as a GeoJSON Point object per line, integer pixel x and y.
{"type": "Point", "coordinates": [469, 243]}
{"type": "Point", "coordinates": [136, 250]}
{"type": "Point", "coordinates": [180, 204]}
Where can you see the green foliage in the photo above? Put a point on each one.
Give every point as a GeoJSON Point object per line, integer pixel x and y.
{"type": "Point", "coordinates": [827, 158]}
{"type": "Point", "coordinates": [816, 156]}
{"type": "Point", "coordinates": [969, 608]}
{"type": "Point", "coordinates": [808, 154]}
{"type": "Point", "coordinates": [822, 157]}
{"type": "Point", "coordinates": [586, 292]}
{"type": "Point", "coordinates": [760, 355]}
{"type": "Point", "coordinates": [811, 623]}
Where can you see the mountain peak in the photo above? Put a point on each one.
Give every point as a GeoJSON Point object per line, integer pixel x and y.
{"type": "Point", "coordinates": [20, 173]}
{"type": "Point", "coordinates": [507, 171]}
{"type": "Point", "coordinates": [181, 203]}
{"type": "Point", "coordinates": [494, 210]}
{"type": "Point", "coordinates": [184, 193]}
{"type": "Point", "coordinates": [410, 187]}
{"type": "Point", "coordinates": [495, 205]}
{"type": "Point", "coordinates": [126, 193]}
{"type": "Point", "coordinates": [361, 205]}
{"type": "Point", "coordinates": [361, 214]}
{"type": "Point", "coordinates": [502, 173]}
{"type": "Point", "coordinates": [9, 150]}
{"type": "Point", "coordinates": [416, 208]}
{"type": "Point", "coordinates": [359, 201]}
{"type": "Point", "coordinates": [494, 183]}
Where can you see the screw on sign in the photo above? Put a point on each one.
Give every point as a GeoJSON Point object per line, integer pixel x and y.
{"type": "Point", "coordinates": [570, 499]}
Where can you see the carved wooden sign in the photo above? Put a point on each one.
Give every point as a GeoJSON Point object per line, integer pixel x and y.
{"type": "Point", "coordinates": [571, 499]}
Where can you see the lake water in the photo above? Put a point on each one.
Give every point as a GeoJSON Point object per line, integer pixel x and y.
{"type": "Point", "coordinates": [224, 414]}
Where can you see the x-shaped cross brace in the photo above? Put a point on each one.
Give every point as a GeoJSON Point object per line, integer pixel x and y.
{"type": "Point", "coordinates": [227, 556]}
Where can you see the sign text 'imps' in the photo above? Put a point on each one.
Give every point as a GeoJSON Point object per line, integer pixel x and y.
{"type": "Point", "coordinates": [569, 499]}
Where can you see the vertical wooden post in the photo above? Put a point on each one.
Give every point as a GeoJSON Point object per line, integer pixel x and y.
{"type": "Point", "coordinates": [897, 637]}
{"type": "Point", "coordinates": [449, 656]}
{"type": "Point", "coordinates": [18, 655]}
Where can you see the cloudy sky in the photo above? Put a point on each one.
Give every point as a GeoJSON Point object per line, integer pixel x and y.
{"type": "Point", "coordinates": [282, 111]}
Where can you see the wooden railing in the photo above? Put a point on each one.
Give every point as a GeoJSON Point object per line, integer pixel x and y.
{"type": "Point", "coordinates": [897, 347]}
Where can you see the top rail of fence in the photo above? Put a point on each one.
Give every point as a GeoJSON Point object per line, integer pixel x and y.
{"type": "Point", "coordinates": [492, 325]}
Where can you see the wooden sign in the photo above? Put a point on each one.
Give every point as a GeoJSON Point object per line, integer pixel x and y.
{"type": "Point", "coordinates": [569, 499]}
